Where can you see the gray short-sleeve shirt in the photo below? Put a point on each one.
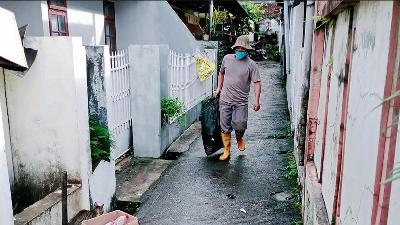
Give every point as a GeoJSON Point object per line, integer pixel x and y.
{"type": "Point", "coordinates": [237, 79]}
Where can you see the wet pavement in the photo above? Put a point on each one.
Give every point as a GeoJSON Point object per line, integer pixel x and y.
{"type": "Point", "coordinates": [196, 189]}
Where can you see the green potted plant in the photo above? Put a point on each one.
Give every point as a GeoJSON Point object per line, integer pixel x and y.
{"type": "Point", "coordinates": [171, 108]}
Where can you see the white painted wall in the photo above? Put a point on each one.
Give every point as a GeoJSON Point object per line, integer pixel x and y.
{"type": "Point", "coordinates": [6, 212]}
{"type": "Point", "coordinates": [287, 35]}
{"type": "Point", "coordinates": [145, 61]}
{"type": "Point", "coordinates": [394, 208]}
{"type": "Point", "coordinates": [368, 73]}
{"type": "Point", "coordinates": [48, 113]}
{"type": "Point", "coordinates": [334, 109]}
{"type": "Point", "coordinates": [28, 12]}
{"type": "Point", "coordinates": [296, 38]}
{"type": "Point", "coordinates": [103, 184]}
{"type": "Point", "coordinates": [151, 22]}
{"type": "Point", "coordinates": [322, 99]}
{"type": "Point", "coordinates": [86, 20]}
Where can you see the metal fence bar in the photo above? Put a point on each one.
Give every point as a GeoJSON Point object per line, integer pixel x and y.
{"type": "Point", "coordinates": [184, 83]}
{"type": "Point", "coordinates": [121, 117]}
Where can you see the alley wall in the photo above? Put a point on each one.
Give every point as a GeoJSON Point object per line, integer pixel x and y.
{"type": "Point", "coordinates": [368, 77]}
{"type": "Point", "coordinates": [354, 147]}
{"type": "Point", "coordinates": [48, 116]}
{"type": "Point", "coordinates": [6, 211]}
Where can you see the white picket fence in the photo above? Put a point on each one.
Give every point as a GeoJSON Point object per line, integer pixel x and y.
{"type": "Point", "coordinates": [185, 84]}
{"type": "Point", "coordinates": [121, 117]}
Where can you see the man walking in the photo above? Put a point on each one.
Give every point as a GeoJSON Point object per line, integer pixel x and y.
{"type": "Point", "coordinates": [236, 74]}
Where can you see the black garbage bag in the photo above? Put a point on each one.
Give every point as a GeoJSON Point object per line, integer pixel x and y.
{"type": "Point", "coordinates": [210, 126]}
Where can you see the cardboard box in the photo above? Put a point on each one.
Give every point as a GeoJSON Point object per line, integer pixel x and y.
{"type": "Point", "coordinates": [109, 217]}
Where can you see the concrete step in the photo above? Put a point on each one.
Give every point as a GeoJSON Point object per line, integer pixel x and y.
{"type": "Point", "coordinates": [136, 176]}
{"type": "Point", "coordinates": [182, 144]}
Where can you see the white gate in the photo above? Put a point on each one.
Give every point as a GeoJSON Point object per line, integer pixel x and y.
{"type": "Point", "coordinates": [184, 81]}
{"type": "Point", "coordinates": [121, 119]}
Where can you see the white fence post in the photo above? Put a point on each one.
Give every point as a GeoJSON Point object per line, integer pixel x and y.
{"type": "Point", "coordinates": [145, 75]}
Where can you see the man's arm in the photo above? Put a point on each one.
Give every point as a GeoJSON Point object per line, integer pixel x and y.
{"type": "Point", "coordinates": [220, 83]}
{"type": "Point", "coordinates": [257, 92]}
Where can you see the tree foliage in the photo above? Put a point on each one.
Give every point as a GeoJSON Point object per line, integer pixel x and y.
{"type": "Point", "coordinates": [272, 10]}
{"type": "Point", "coordinates": [256, 11]}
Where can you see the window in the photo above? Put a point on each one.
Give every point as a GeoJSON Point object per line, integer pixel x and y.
{"type": "Point", "coordinates": [109, 25]}
{"type": "Point", "coordinates": [58, 17]}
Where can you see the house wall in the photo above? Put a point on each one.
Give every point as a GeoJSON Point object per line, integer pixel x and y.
{"type": "Point", "coordinates": [86, 20]}
{"type": "Point", "coordinates": [6, 212]}
{"type": "Point", "coordinates": [29, 12]}
{"type": "Point", "coordinates": [50, 101]}
{"type": "Point", "coordinates": [163, 27]}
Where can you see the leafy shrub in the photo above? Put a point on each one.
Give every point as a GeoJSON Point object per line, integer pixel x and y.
{"type": "Point", "coordinates": [220, 16]}
{"type": "Point", "coordinates": [171, 108]}
{"type": "Point", "coordinates": [272, 52]}
{"type": "Point", "coordinates": [100, 142]}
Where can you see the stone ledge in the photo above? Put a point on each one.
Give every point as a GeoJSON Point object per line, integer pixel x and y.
{"type": "Point", "coordinates": [314, 205]}
{"type": "Point", "coordinates": [135, 178]}
{"type": "Point", "coordinates": [39, 208]}
{"type": "Point", "coordinates": [182, 144]}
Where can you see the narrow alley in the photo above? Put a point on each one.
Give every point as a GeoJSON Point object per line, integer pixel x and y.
{"type": "Point", "coordinates": [107, 108]}
{"type": "Point", "coordinates": [200, 190]}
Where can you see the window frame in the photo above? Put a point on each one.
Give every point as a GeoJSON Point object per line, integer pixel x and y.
{"type": "Point", "coordinates": [56, 10]}
{"type": "Point", "coordinates": [111, 20]}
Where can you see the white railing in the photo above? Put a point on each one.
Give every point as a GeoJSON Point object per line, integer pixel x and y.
{"type": "Point", "coordinates": [121, 119]}
{"type": "Point", "coordinates": [184, 81]}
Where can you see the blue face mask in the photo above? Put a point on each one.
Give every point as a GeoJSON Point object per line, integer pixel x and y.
{"type": "Point", "coordinates": [240, 54]}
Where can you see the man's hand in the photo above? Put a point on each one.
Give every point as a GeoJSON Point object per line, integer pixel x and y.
{"type": "Point", "coordinates": [216, 92]}
{"type": "Point", "coordinates": [256, 106]}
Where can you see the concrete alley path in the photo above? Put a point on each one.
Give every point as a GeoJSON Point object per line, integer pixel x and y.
{"type": "Point", "coordinates": [196, 189]}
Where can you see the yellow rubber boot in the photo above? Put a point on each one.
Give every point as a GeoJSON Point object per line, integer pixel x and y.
{"type": "Point", "coordinates": [226, 140]}
{"type": "Point", "coordinates": [240, 141]}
